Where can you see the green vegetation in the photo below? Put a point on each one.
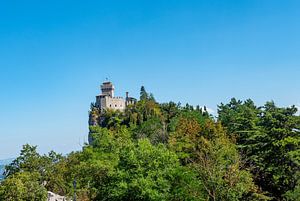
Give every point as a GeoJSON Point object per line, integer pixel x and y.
{"type": "Point", "coordinates": [166, 152]}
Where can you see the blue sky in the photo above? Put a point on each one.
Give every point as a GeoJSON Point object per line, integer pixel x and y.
{"type": "Point", "coordinates": [55, 54]}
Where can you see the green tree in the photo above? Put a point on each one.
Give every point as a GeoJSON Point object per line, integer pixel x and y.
{"type": "Point", "coordinates": [218, 164]}
{"type": "Point", "coordinates": [49, 168]}
{"type": "Point", "coordinates": [22, 186]}
{"type": "Point", "coordinates": [268, 138]}
{"type": "Point", "coordinates": [148, 172]}
{"type": "Point", "coordinates": [116, 167]}
{"type": "Point", "coordinates": [170, 110]}
{"type": "Point", "coordinates": [153, 129]}
{"type": "Point", "coordinates": [143, 94]}
{"type": "Point", "coordinates": [204, 146]}
{"type": "Point", "coordinates": [280, 149]}
{"type": "Point", "coordinates": [29, 160]}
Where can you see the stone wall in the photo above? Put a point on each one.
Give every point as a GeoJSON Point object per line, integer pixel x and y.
{"type": "Point", "coordinates": [115, 103]}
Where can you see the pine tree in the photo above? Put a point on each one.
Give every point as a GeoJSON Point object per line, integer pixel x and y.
{"type": "Point", "coordinates": [143, 94]}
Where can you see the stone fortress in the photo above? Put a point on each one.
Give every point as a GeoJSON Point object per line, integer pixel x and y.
{"type": "Point", "coordinates": [107, 100]}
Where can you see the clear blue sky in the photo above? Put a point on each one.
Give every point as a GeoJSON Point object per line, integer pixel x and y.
{"type": "Point", "coordinates": [54, 55]}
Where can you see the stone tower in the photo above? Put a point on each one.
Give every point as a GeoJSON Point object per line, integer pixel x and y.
{"type": "Point", "coordinates": [108, 88]}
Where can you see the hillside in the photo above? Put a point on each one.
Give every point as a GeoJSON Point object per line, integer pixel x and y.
{"type": "Point", "coordinates": [164, 151]}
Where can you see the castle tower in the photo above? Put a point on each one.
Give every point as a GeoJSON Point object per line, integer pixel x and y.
{"type": "Point", "coordinates": [107, 100]}
{"type": "Point", "coordinates": [108, 88]}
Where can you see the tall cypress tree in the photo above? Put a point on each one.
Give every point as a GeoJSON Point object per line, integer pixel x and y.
{"type": "Point", "coordinates": [143, 94]}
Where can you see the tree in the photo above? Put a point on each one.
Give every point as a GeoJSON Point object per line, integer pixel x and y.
{"type": "Point", "coordinates": [22, 186]}
{"type": "Point", "coordinates": [29, 160]}
{"type": "Point", "coordinates": [170, 110]}
{"type": "Point", "coordinates": [153, 129]}
{"type": "Point", "coordinates": [204, 146]}
{"type": "Point", "coordinates": [239, 118]}
{"type": "Point", "coordinates": [48, 169]}
{"type": "Point", "coordinates": [219, 166]}
{"type": "Point", "coordinates": [148, 172]}
{"type": "Point", "coordinates": [143, 94]}
{"type": "Point", "coordinates": [279, 154]}
{"type": "Point", "coordinates": [116, 167]}
{"type": "Point", "coordinates": [268, 138]}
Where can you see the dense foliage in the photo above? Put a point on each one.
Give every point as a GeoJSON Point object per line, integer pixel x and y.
{"type": "Point", "coordinates": [166, 152]}
{"type": "Point", "coordinates": [268, 139]}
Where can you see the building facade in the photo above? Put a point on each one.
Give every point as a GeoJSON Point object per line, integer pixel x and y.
{"type": "Point", "coordinates": [107, 100]}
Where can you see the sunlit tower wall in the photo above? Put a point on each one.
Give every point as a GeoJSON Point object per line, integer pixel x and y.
{"type": "Point", "coordinates": [108, 88]}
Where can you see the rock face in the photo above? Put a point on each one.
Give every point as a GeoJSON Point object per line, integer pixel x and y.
{"type": "Point", "coordinates": [55, 197]}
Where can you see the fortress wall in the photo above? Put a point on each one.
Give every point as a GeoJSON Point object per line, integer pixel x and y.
{"type": "Point", "coordinates": [115, 103]}
{"type": "Point", "coordinates": [103, 103]}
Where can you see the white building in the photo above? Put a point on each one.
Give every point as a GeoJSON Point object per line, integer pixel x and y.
{"type": "Point", "coordinates": [107, 100]}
